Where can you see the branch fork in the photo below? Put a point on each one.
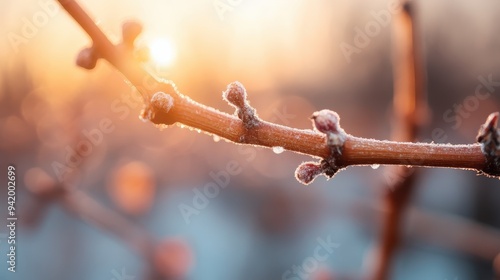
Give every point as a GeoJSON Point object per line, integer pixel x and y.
{"type": "Point", "coordinates": [328, 123]}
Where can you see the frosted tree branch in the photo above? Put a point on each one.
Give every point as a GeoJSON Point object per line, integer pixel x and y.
{"type": "Point", "coordinates": [245, 127]}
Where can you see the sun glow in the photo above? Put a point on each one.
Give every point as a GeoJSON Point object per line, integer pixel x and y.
{"type": "Point", "coordinates": [162, 51]}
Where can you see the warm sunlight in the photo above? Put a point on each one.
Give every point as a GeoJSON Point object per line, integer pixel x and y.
{"type": "Point", "coordinates": [162, 51]}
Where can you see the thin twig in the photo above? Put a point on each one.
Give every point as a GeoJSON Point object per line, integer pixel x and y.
{"type": "Point", "coordinates": [434, 228]}
{"type": "Point", "coordinates": [410, 105]}
{"type": "Point", "coordinates": [86, 208]}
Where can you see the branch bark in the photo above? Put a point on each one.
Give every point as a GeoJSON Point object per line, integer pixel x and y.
{"type": "Point", "coordinates": [355, 150]}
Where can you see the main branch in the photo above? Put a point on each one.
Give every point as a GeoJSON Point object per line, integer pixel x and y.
{"type": "Point", "coordinates": [165, 105]}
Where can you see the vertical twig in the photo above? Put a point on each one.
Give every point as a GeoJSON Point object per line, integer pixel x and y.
{"type": "Point", "coordinates": [410, 109]}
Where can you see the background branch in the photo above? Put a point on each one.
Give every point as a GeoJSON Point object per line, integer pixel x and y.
{"type": "Point", "coordinates": [410, 111]}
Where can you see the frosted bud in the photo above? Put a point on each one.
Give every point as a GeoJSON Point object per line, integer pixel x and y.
{"type": "Point", "coordinates": [307, 172]}
{"type": "Point", "coordinates": [326, 121]}
{"type": "Point", "coordinates": [235, 94]}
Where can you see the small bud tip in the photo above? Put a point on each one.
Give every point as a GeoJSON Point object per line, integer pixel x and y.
{"type": "Point", "coordinates": [326, 121]}
{"type": "Point", "coordinates": [235, 94]}
{"type": "Point", "coordinates": [307, 172]}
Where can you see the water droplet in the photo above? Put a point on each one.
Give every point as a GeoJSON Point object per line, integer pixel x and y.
{"type": "Point", "coordinates": [216, 138]}
{"type": "Point", "coordinates": [375, 166]}
{"type": "Point", "coordinates": [278, 150]}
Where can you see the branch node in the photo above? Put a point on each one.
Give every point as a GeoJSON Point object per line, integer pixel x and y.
{"type": "Point", "coordinates": [489, 138]}
{"type": "Point", "coordinates": [160, 104]}
{"type": "Point", "coordinates": [236, 96]}
{"type": "Point", "coordinates": [328, 123]}
{"type": "Point", "coordinates": [87, 58]}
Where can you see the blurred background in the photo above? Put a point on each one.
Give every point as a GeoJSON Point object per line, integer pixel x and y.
{"type": "Point", "coordinates": [137, 205]}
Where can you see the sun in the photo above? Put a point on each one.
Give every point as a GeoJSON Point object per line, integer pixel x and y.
{"type": "Point", "coordinates": [162, 51]}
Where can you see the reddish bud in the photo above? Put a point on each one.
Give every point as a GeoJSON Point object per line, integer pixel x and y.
{"type": "Point", "coordinates": [307, 172]}
{"type": "Point", "coordinates": [87, 58]}
{"type": "Point", "coordinates": [326, 121]}
{"type": "Point", "coordinates": [235, 94]}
